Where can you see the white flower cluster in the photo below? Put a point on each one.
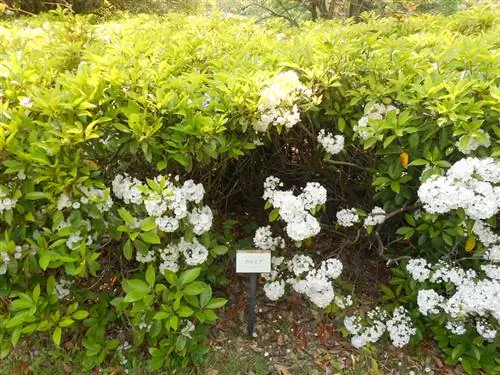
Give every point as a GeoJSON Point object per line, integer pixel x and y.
{"type": "Point", "coordinates": [278, 101]}
{"type": "Point", "coordinates": [101, 198]}
{"type": "Point", "coordinates": [296, 210]}
{"type": "Point", "coordinates": [466, 144]}
{"type": "Point", "coordinates": [470, 297]}
{"type": "Point", "coordinates": [469, 184]}
{"type": "Point", "coordinates": [63, 288]}
{"type": "Point", "coordinates": [169, 202]}
{"type": "Point", "coordinates": [375, 112]}
{"type": "Point", "coordinates": [332, 144]}
{"type": "Point", "coordinates": [25, 102]}
{"type": "Point", "coordinates": [5, 259]}
{"type": "Point", "coordinates": [6, 203]}
{"type": "Point", "coordinates": [166, 202]}
{"type": "Point", "coordinates": [347, 217]}
{"type": "Point", "coordinates": [316, 284]}
{"type": "Point", "coordinates": [375, 217]}
{"type": "Point", "coordinates": [489, 239]}
{"type": "Point", "coordinates": [264, 240]}
{"type": "Point", "coordinates": [399, 326]}
{"type": "Point", "coordinates": [127, 189]}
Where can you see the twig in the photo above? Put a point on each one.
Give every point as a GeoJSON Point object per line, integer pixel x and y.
{"type": "Point", "coordinates": [394, 260]}
{"type": "Point", "coordinates": [338, 162]}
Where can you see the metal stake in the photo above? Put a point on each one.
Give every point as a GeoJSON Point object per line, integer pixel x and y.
{"type": "Point", "coordinates": [251, 303]}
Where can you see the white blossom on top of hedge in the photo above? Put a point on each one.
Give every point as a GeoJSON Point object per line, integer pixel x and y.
{"type": "Point", "coordinates": [469, 184]}
{"type": "Point", "coordinates": [375, 112]}
{"type": "Point", "coordinates": [278, 100]}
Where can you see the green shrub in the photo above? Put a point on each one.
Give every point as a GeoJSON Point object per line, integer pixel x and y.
{"type": "Point", "coordinates": [83, 103]}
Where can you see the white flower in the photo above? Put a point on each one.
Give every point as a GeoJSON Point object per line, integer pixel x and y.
{"type": "Point", "coordinates": [63, 202]}
{"type": "Point", "coordinates": [187, 329]}
{"type": "Point", "coordinates": [155, 207]}
{"type": "Point", "coordinates": [429, 301]}
{"type": "Point", "coordinates": [313, 194]}
{"type": "Point", "coordinates": [301, 264]}
{"type": "Point", "coordinates": [194, 252]}
{"type": "Point", "coordinates": [127, 189]}
{"type": "Point", "coordinates": [319, 290]}
{"type": "Point", "coordinates": [4, 257]}
{"type": "Point", "coordinates": [347, 217]}
{"type": "Point", "coordinates": [296, 210]}
{"type": "Point", "coordinates": [331, 268]}
{"type": "Point", "coordinates": [418, 269]}
{"type": "Point", "coordinates": [455, 327]}
{"type": "Point", "coordinates": [25, 102]}
{"type": "Point", "coordinates": [332, 144]}
{"type": "Point", "coordinates": [400, 327]}
{"type": "Point", "coordinates": [169, 257]}
{"type": "Point", "coordinates": [274, 290]}
{"type": "Point", "coordinates": [201, 220]}
{"type": "Point", "coordinates": [485, 330]}
{"type": "Point", "coordinates": [73, 240]}
{"type": "Point", "coordinates": [167, 224]}
{"type": "Point", "coordinates": [492, 271]}
{"type": "Point", "coordinates": [377, 216]}
{"type": "Point", "coordinates": [149, 257]}
{"type": "Point", "coordinates": [468, 184]}
{"type": "Point", "coordinates": [264, 240]}
{"type": "Point", "coordinates": [277, 102]}
{"type": "Point", "coordinates": [193, 192]}
{"type": "Point", "coordinates": [63, 288]}
{"type": "Point", "coordinates": [473, 142]}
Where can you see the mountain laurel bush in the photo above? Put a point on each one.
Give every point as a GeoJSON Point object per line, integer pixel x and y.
{"type": "Point", "coordinates": [108, 130]}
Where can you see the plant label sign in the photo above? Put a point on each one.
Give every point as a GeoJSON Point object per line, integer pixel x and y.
{"type": "Point", "coordinates": [253, 261]}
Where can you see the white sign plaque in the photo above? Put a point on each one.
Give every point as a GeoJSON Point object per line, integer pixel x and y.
{"type": "Point", "coordinates": [253, 261]}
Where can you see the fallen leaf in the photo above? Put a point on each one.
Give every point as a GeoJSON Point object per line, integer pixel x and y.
{"type": "Point", "coordinates": [282, 370]}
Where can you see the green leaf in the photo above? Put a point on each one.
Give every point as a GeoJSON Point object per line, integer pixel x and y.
{"type": "Point", "coordinates": [136, 285]}
{"type": "Point", "coordinates": [36, 195]}
{"type": "Point", "coordinates": [274, 214]}
{"type": "Point", "coordinates": [150, 276]}
{"type": "Point", "coordinates": [185, 311]}
{"type": "Point", "coordinates": [148, 224]}
{"type": "Point", "coordinates": [188, 276]}
{"type": "Point", "coordinates": [127, 249]}
{"type": "Point", "coordinates": [195, 288]}
{"type": "Point", "coordinates": [80, 314]}
{"type": "Point", "coordinates": [161, 315]}
{"type": "Point", "coordinates": [205, 296]}
{"type": "Point", "coordinates": [418, 162]}
{"type": "Point", "coordinates": [216, 303]}
{"type": "Point", "coordinates": [66, 322]}
{"type": "Point", "coordinates": [395, 186]}
{"type": "Point", "coordinates": [16, 334]}
{"type": "Point", "coordinates": [56, 336]}
{"type": "Point", "coordinates": [44, 260]}
{"type": "Point", "coordinates": [220, 250]}
{"type": "Point", "coordinates": [151, 238]}
{"type": "Point", "coordinates": [126, 216]}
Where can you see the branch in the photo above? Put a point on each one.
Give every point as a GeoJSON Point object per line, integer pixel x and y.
{"type": "Point", "coordinates": [338, 162]}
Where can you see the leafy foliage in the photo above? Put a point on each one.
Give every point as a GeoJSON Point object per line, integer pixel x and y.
{"type": "Point", "coordinates": [82, 102]}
